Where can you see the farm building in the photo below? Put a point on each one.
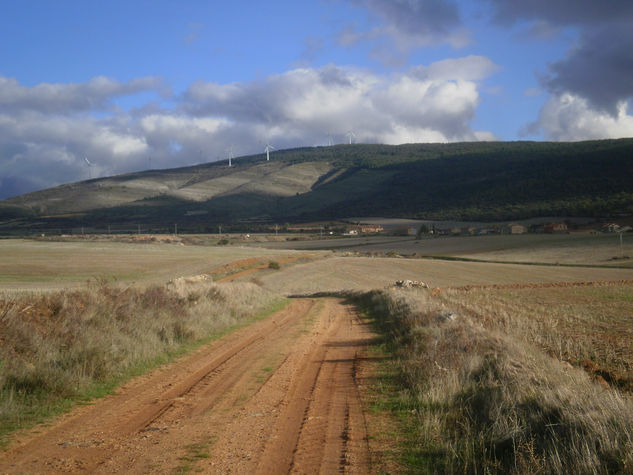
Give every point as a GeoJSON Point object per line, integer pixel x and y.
{"type": "Point", "coordinates": [404, 231]}
{"type": "Point", "coordinates": [555, 228]}
{"type": "Point", "coordinates": [516, 229]}
{"type": "Point", "coordinates": [611, 228]}
{"type": "Point", "coordinates": [371, 229]}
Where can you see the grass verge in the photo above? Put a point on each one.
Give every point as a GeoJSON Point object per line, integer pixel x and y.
{"type": "Point", "coordinates": [64, 348]}
{"type": "Point", "coordinates": [471, 397]}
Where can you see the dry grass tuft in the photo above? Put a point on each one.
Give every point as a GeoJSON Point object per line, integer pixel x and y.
{"type": "Point", "coordinates": [480, 399]}
{"type": "Point", "coordinates": [63, 346]}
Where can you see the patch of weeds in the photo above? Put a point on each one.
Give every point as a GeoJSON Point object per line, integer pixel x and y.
{"type": "Point", "coordinates": [398, 436]}
{"type": "Point", "coordinates": [310, 319]}
{"type": "Point", "coordinates": [194, 453]}
{"type": "Point", "coordinates": [273, 265]}
{"type": "Point", "coordinates": [183, 469]}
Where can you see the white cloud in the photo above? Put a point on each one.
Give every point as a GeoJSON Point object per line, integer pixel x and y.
{"type": "Point", "coordinates": [441, 98]}
{"type": "Point", "coordinates": [93, 95]}
{"type": "Point", "coordinates": [570, 118]}
{"type": "Point", "coordinates": [469, 68]}
{"type": "Point", "coordinates": [299, 107]}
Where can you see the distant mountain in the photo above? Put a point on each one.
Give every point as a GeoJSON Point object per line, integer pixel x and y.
{"type": "Point", "coordinates": [471, 180]}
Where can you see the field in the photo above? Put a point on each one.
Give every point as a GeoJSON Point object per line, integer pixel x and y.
{"type": "Point", "coordinates": [589, 326]}
{"type": "Point", "coordinates": [363, 273]}
{"type": "Point", "coordinates": [575, 249]}
{"type": "Point", "coordinates": [496, 366]}
{"type": "Point", "coordinates": [45, 265]}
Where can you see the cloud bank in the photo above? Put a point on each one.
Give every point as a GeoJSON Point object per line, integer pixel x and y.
{"type": "Point", "coordinates": [48, 129]}
{"type": "Point", "coordinates": [595, 76]}
{"type": "Point", "coordinates": [595, 71]}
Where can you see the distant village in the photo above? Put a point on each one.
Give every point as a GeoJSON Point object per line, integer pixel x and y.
{"type": "Point", "coordinates": [359, 229]}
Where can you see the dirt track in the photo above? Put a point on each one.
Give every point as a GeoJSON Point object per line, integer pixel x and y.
{"type": "Point", "coordinates": [278, 396]}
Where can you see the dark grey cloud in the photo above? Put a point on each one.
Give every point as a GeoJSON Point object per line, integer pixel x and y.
{"type": "Point", "coordinates": [599, 69]}
{"type": "Point", "coordinates": [404, 25]}
{"type": "Point", "coordinates": [561, 12]}
{"type": "Point", "coordinates": [417, 18]}
{"type": "Point", "coordinates": [14, 185]}
{"type": "Point", "coordinates": [599, 66]}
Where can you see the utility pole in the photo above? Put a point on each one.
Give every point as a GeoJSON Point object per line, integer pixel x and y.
{"type": "Point", "coordinates": [176, 229]}
{"type": "Point", "coordinates": [621, 247]}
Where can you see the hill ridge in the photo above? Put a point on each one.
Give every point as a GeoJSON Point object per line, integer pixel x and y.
{"type": "Point", "coordinates": [467, 180]}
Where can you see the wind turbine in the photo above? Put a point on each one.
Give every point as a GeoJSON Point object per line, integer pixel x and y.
{"type": "Point", "coordinates": [89, 168]}
{"type": "Point", "coordinates": [267, 150]}
{"type": "Point", "coordinates": [350, 134]}
{"type": "Point", "coordinates": [329, 139]}
{"type": "Point", "coordinates": [230, 153]}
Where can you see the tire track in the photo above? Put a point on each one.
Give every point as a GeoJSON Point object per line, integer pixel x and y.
{"type": "Point", "coordinates": [320, 430]}
{"type": "Point", "coordinates": [92, 438]}
{"type": "Point", "coordinates": [280, 396]}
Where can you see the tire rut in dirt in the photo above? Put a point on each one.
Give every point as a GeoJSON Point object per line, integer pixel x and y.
{"type": "Point", "coordinates": [200, 384]}
{"type": "Point", "coordinates": [108, 436]}
{"type": "Point", "coordinates": [322, 428]}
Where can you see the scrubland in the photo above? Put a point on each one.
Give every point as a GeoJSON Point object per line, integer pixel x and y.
{"type": "Point", "coordinates": [486, 384]}
{"type": "Point", "coordinates": [62, 347]}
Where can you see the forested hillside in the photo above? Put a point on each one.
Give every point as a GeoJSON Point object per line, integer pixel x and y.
{"type": "Point", "coordinates": [476, 181]}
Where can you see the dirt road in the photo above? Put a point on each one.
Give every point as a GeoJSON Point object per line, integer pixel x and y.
{"type": "Point", "coordinates": [278, 396]}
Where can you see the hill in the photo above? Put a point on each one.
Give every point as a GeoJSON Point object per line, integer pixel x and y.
{"type": "Point", "coordinates": [474, 180]}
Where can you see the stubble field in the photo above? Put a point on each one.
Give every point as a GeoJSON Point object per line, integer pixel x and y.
{"type": "Point", "coordinates": [366, 273]}
{"type": "Point", "coordinates": [46, 265]}
{"type": "Point", "coordinates": [574, 249]}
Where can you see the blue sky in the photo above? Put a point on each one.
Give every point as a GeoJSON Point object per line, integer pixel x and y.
{"type": "Point", "coordinates": [133, 83]}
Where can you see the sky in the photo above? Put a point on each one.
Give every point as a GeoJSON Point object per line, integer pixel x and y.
{"type": "Point", "coordinates": [93, 88]}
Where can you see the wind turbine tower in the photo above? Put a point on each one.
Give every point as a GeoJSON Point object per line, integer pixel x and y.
{"type": "Point", "coordinates": [350, 135]}
{"type": "Point", "coordinates": [89, 168]}
{"type": "Point", "coordinates": [230, 153]}
{"type": "Point", "coordinates": [268, 150]}
{"type": "Point", "coordinates": [329, 139]}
